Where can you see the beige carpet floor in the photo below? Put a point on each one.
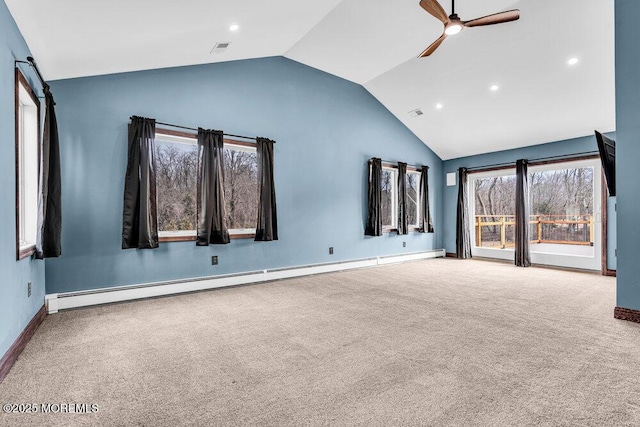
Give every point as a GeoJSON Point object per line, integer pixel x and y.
{"type": "Point", "coordinates": [438, 342]}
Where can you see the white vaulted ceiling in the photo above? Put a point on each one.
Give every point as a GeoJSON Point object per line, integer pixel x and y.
{"type": "Point", "coordinates": [373, 43]}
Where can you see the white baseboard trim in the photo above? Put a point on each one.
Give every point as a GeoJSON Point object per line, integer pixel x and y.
{"type": "Point", "coordinates": [68, 300]}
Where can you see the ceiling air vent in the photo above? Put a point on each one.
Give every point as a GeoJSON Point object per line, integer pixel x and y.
{"type": "Point", "coordinates": [416, 113]}
{"type": "Point", "coordinates": [220, 47]}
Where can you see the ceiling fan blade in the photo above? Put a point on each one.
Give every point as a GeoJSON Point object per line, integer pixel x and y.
{"type": "Point", "coordinates": [496, 18]}
{"type": "Point", "coordinates": [428, 51]}
{"type": "Point", "coordinates": [434, 8]}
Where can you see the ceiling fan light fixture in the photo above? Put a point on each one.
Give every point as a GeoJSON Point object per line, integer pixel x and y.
{"type": "Point", "coordinates": [453, 28]}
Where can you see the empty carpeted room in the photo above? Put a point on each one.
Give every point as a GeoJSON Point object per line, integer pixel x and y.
{"type": "Point", "coordinates": [348, 212]}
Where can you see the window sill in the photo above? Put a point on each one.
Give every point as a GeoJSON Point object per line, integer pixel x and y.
{"type": "Point", "coordinates": [167, 239]}
{"type": "Point", "coordinates": [26, 252]}
{"type": "Point", "coordinates": [395, 230]}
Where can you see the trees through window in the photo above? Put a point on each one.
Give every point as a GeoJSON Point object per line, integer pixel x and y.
{"type": "Point", "coordinates": [177, 178]}
{"type": "Point", "coordinates": [389, 202]}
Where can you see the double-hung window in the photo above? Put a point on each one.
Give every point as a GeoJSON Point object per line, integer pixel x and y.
{"type": "Point", "coordinates": [389, 201]}
{"type": "Point", "coordinates": [177, 179]}
{"type": "Point", "coordinates": [27, 131]}
{"type": "Point", "coordinates": [412, 184]}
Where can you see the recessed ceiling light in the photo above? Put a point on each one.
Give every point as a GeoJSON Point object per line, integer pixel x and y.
{"type": "Point", "coordinates": [573, 61]}
{"type": "Point", "coordinates": [439, 106]}
{"type": "Point", "coordinates": [234, 27]}
{"type": "Point", "coordinates": [494, 88]}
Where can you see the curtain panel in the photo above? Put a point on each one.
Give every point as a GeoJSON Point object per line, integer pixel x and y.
{"type": "Point", "coordinates": [426, 225]}
{"type": "Point", "coordinates": [139, 213]}
{"type": "Point", "coordinates": [49, 234]}
{"type": "Point", "coordinates": [403, 218]}
{"type": "Point", "coordinates": [267, 227]}
{"type": "Point", "coordinates": [522, 258]}
{"type": "Point", "coordinates": [210, 205]}
{"type": "Point", "coordinates": [463, 236]}
{"type": "Point", "coordinates": [374, 217]}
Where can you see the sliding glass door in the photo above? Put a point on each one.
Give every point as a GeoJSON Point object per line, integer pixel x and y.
{"type": "Point", "coordinates": [565, 207]}
{"type": "Point", "coordinates": [565, 224]}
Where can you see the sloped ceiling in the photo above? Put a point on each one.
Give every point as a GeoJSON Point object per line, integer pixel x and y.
{"type": "Point", "coordinates": [373, 43]}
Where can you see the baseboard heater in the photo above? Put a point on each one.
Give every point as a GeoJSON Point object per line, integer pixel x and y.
{"type": "Point", "coordinates": [68, 300]}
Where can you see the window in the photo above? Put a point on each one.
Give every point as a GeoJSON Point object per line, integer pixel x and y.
{"type": "Point", "coordinates": [412, 183]}
{"type": "Point", "coordinates": [495, 199]}
{"type": "Point", "coordinates": [389, 202]}
{"type": "Point", "coordinates": [241, 188]}
{"type": "Point", "coordinates": [177, 179]}
{"type": "Point", "coordinates": [564, 213]}
{"type": "Point", "coordinates": [27, 166]}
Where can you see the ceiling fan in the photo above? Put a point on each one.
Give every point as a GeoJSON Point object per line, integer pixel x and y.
{"type": "Point", "coordinates": [453, 24]}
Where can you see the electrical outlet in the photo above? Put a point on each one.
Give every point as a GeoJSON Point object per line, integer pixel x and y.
{"type": "Point", "coordinates": [214, 260]}
{"type": "Point", "coordinates": [29, 290]}
{"type": "Point", "coordinates": [331, 250]}
{"type": "Point", "coordinates": [404, 244]}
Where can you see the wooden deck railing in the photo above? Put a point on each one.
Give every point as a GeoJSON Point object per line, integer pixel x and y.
{"type": "Point", "coordinates": [547, 229]}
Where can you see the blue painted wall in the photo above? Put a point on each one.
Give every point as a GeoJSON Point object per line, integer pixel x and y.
{"type": "Point", "coordinates": [560, 148]}
{"type": "Point", "coordinates": [628, 150]}
{"type": "Point", "coordinates": [326, 129]}
{"type": "Point", "coordinates": [16, 310]}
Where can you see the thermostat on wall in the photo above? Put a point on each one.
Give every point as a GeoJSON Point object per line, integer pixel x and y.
{"type": "Point", "coordinates": [451, 179]}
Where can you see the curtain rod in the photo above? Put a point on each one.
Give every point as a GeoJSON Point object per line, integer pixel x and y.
{"type": "Point", "coordinates": [196, 130]}
{"type": "Point", "coordinates": [33, 64]}
{"type": "Point", "coordinates": [395, 164]}
{"type": "Point", "coordinates": [540, 159]}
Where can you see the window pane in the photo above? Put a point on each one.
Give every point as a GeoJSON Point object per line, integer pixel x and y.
{"type": "Point", "coordinates": [387, 203]}
{"type": "Point", "coordinates": [412, 182]}
{"type": "Point", "coordinates": [27, 162]}
{"type": "Point", "coordinates": [562, 206]}
{"type": "Point", "coordinates": [176, 185]}
{"type": "Point", "coordinates": [495, 199]}
{"type": "Point", "coordinates": [241, 189]}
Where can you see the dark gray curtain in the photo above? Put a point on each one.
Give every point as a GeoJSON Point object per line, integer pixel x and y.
{"type": "Point", "coordinates": [522, 258]}
{"type": "Point", "coordinates": [267, 228]}
{"type": "Point", "coordinates": [374, 218]}
{"type": "Point", "coordinates": [211, 215]}
{"type": "Point", "coordinates": [463, 236]}
{"type": "Point", "coordinates": [48, 242]}
{"type": "Point", "coordinates": [403, 220]}
{"type": "Point", "coordinates": [426, 226]}
{"type": "Point", "coordinates": [139, 213]}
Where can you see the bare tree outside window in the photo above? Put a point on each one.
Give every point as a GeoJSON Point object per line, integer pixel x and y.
{"type": "Point", "coordinates": [241, 189]}
{"type": "Point", "coordinates": [563, 202]}
{"type": "Point", "coordinates": [413, 196]}
{"type": "Point", "coordinates": [177, 164]}
{"type": "Point", "coordinates": [495, 200]}
{"type": "Point", "coordinates": [561, 207]}
{"type": "Point", "coordinates": [387, 203]}
{"type": "Point", "coordinates": [176, 185]}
